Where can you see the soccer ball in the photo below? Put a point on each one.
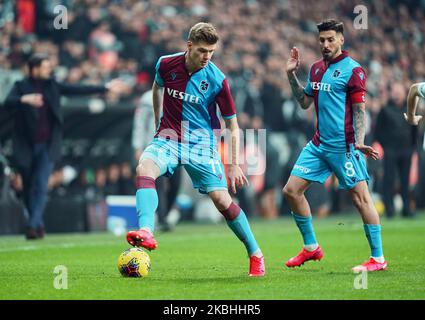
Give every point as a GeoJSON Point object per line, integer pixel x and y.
{"type": "Point", "coordinates": [134, 262]}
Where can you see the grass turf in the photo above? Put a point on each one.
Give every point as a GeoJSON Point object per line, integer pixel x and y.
{"type": "Point", "coordinates": [208, 262]}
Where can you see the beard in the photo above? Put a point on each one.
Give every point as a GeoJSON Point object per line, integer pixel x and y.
{"type": "Point", "coordinates": [329, 55]}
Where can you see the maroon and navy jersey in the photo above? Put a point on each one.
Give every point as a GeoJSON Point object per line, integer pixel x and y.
{"type": "Point", "coordinates": [335, 89]}
{"type": "Point", "coordinates": [191, 102]}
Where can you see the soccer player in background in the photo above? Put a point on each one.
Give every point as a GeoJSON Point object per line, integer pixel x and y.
{"type": "Point", "coordinates": [416, 90]}
{"type": "Point", "coordinates": [193, 87]}
{"type": "Point", "coordinates": [337, 85]}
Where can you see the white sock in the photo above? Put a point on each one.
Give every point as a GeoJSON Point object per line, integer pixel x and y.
{"type": "Point", "coordinates": [311, 247]}
{"type": "Point", "coordinates": [257, 253]}
{"type": "Point", "coordinates": [147, 229]}
{"type": "Point", "coordinates": [380, 259]}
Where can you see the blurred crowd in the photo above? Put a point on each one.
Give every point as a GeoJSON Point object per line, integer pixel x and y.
{"type": "Point", "coordinates": [106, 39]}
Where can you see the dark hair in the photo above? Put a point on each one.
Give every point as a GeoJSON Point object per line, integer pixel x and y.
{"type": "Point", "coordinates": [203, 32]}
{"type": "Point", "coordinates": [36, 60]}
{"type": "Point", "coordinates": [331, 24]}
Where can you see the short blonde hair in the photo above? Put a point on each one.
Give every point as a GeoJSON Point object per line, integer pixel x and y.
{"type": "Point", "coordinates": [203, 32]}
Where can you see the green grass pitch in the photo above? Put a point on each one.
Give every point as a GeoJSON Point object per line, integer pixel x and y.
{"type": "Point", "coordinates": [208, 262]}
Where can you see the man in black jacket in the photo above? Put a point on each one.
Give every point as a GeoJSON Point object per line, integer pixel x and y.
{"type": "Point", "coordinates": [398, 139]}
{"type": "Point", "coordinates": [37, 135]}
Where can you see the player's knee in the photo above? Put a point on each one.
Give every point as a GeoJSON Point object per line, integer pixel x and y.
{"type": "Point", "coordinates": [359, 200]}
{"type": "Point", "coordinates": [145, 168]}
{"type": "Point", "coordinates": [221, 204]}
{"type": "Point", "coordinates": [140, 170]}
{"type": "Point", "coordinates": [222, 200]}
{"type": "Point", "coordinates": [289, 192]}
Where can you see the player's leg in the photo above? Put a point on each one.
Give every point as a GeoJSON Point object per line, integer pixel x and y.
{"type": "Point", "coordinates": [146, 194]}
{"type": "Point", "coordinates": [308, 168]}
{"type": "Point", "coordinates": [146, 204]}
{"type": "Point", "coordinates": [156, 160]}
{"type": "Point", "coordinates": [372, 227]}
{"type": "Point", "coordinates": [208, 176]}
{"type": "Point", "coordinates": [294, 193]}
{"type": "Point", "coordinates": [350, 168]}
{"type": "Point", "coordinates": [237, 221]}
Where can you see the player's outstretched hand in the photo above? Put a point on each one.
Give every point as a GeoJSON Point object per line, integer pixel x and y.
{"type": "Point", "coordinates": [237, 178]}
{"type": "Point", "coordinates": [294, 61]}
{"type": "Point", "coordinates": [368, 151]}
{"type": "Point", "coordinates": [413, 121]}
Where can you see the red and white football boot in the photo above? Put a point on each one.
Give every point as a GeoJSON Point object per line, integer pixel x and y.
{"type": "Point", "coordinates": [256, 266]}
{"type": "Point", "coordinates": [371, 265]}
{"type": "Point", "coordinates": [142, 238]}
{"type": "Point", "coordinates": [304, 256]}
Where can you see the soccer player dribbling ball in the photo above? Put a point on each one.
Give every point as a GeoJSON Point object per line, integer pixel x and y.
{"type": "Point", "coordinates": [192, 88]}
{"type": "Point", "coordinates": [337, 85]}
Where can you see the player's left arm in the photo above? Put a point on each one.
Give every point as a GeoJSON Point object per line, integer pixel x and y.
{"type": "Point", "coordinates": [235, 174]}
{"type": "Point", "coordinates": [357, 92]}
{"type": "Point", "coordinates": [228, 111]}
{"type": "Point", "coordinates": [416, 91]}
{"type": "Point", "coordinates": [359, 111]}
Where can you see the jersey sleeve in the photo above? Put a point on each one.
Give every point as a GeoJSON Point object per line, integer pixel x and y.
{"type": "Point", "coordinates": [421, 89]}
{"type": "Point", "coordinates": [225, 101]}
{"type": "Point", "coordinates": [308, 90]}
{"type": "Point", "coordinates": [158, 79]}
{"type": "Point", "coordinates": [357, 86]}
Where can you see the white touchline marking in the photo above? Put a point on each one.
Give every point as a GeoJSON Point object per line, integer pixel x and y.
{"type": "Point", "coordinates": [54, 246]}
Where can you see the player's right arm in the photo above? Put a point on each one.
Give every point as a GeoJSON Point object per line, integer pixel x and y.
{"type": "Point", "coordinates": [416, 91]}
{"type": "Point", "coordinates": [297, 89]}
{"type": "Point", "coordinates": [158, 85]}
{"type": "Point", "coordinates": [156, 101]}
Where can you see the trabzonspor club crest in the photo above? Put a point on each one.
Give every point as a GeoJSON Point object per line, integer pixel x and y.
{"type": "Point", "coordinates": [336, 73]}
{"type": "Point", "coordinates": [203, 86]}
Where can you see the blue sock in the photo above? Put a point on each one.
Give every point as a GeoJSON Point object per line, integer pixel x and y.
{"type": "Point", "coordinates": [237, 221]}
{"type": "Point", "coordinates": [146, 202]}
{"type": "Point", "coordinates": [305, 226]}
{"type": "Point", "coordinates": [373, 234]}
